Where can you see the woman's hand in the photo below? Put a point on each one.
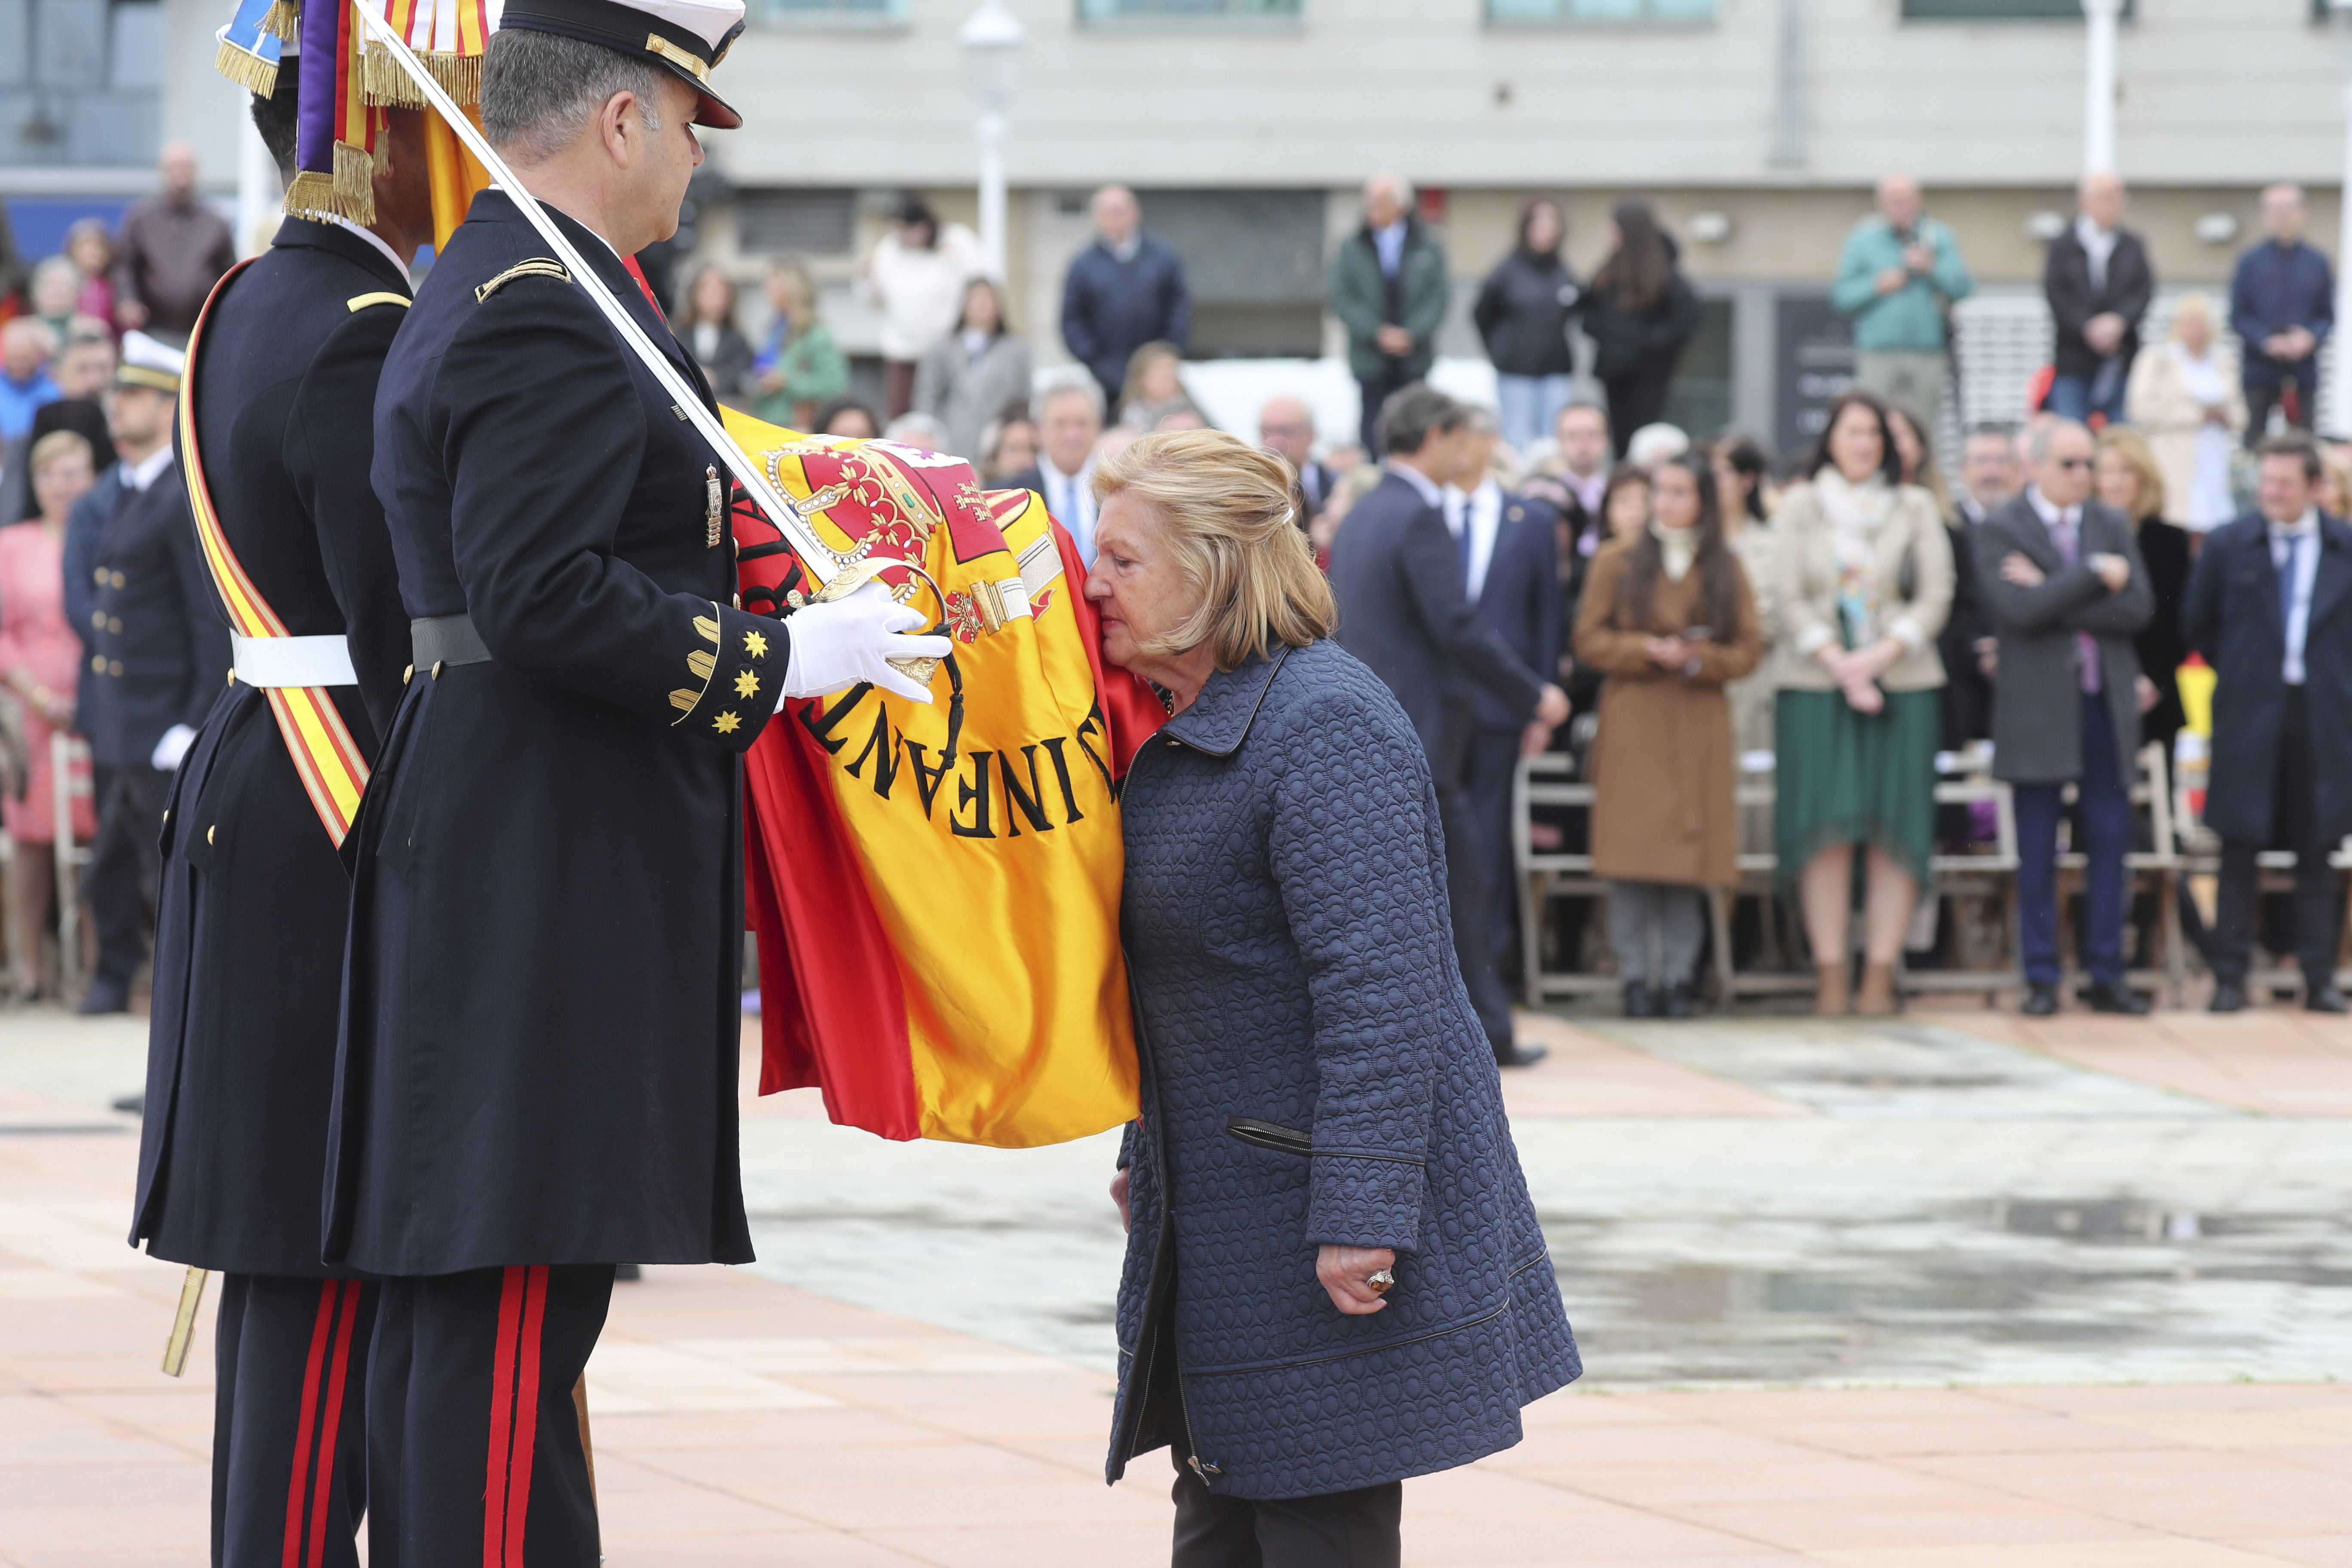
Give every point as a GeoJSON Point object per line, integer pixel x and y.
{"type": "Point", "coordinates": [1119, 1196]}
{"type": "Point", "coordinates": [1863, 696]}
{"type": "Point", "coordinates": [2018, 570]}
{"type": "Point", "coordinates": [1667, 652]}
{"type": "Point", "coordinates": [2144, 690]}
{"type": "Point", "coordinates": [1866, 664]}
{"type": "Point", "coordinates": [1343, 1271]}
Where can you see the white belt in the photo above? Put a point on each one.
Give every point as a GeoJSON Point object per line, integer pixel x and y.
{"type": "Point", "coordinates": [294, 661]}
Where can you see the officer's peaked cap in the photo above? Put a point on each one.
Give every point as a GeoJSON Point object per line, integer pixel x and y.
{"type": "Point", "coordinates": [149, 363]}
{"type": "Point", "coordinates": [689, 37]}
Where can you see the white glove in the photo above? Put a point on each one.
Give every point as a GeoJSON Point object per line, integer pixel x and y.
{"type": "Point", "coordinates": [835, 646]}
{"type": "Point", "coordinates": [172, 748]}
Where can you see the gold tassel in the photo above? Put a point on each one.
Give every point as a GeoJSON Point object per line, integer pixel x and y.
{"type": "Point", "coordinates": [387, 82]}
{"type": "Point", "coordinates": [354, 183]}
{"type": "Point", "coordinates": [249, 70]}
{"type": "Point", "coordinates": [312, 196]}
{"type": "Point", "coordinates": [281, 19]}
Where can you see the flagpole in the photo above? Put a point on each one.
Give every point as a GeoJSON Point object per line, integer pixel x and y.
{"type": "Point", "coordinates": [816, 560]}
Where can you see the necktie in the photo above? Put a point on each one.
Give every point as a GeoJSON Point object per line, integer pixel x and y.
{"type": "Point", "coordinates": [2086, 647]}
{"type": "Point", "coordinates": [2287, 575]}
{"type": "Point", "coordinates": [1462, 546]}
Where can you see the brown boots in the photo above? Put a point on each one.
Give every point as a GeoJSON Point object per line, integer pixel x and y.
{"type": "Point", "coordinates": [1876, 999]}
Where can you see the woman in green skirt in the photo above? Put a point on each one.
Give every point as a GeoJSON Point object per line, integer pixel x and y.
{"type": "Point", "coordinates": [1864, 572]}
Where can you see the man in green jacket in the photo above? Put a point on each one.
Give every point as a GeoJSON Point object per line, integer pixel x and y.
{"type": "Point", "coordinates": [1898, 279]}
{"type": "Point", "coordinates": [1390, 288]}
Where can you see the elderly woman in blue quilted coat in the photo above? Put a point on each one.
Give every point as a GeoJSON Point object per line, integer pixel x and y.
{"type": "Point", "coordinates": [1334, 1276]}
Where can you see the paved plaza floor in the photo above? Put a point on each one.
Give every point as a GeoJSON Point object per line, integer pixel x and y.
{"type": "Point", "coordinates": [1956, 1289]}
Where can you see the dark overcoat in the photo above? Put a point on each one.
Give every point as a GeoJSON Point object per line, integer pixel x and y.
{"type": "Point", "coordinates": [542, 998]}
{"type": "Point", "coordinates": [1314, 1074]}
{"type": "Point", "coordinates": [1397, 575]}
{"type": "Point", "coordinates": [253, 896]}
{"type": "Point", "coordinates": [1520, 598]}
{"type": "Point", "coordinates": [2037, 710]}
{"type": "Point", "coordinates": [2233, 618]}
{"type": "Point", "coordinates": [158, 640]}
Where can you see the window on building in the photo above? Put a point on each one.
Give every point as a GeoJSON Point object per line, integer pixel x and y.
{"type": "Point", "coordinates": [797, 222]}
{"type": "Point", "coordinates": [1210, 10]}
{"type": "Point", "coordinates": [788, 13]}
{"type": "Point", "coordinates": [1997, 10]}
{"type": "Point", "coordinates": [1599, 13]}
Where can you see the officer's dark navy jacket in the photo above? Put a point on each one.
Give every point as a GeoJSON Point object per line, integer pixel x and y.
{"type": "Point", "coordinates": [158, 642]}
{"type": "Point", "coordinates": [542, 1005]}
{"type": "Point", "coordinates": [253, 898]}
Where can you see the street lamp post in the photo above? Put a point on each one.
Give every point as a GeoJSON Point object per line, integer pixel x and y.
{"type": "Point", "coordinates": [992, 38]}
{"type": "Point", "coordinates": [2099, 84]}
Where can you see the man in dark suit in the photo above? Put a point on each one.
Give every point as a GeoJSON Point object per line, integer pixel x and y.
{"type": "Point", "coordinates": [2098, 282]}
{"type": "Point", "coordinates": [1512, 575]}
{"type": "Point", "coordinates": [547, 902]}
{"type": "Point", "coordinates": [1124, 290]}
{"type": "Point", "coordinates": [1399, 575]}
{"type": "Point", "coordinates": [2061, 580]}
{"type": "Point", "coordinates": [1285, 427]}
{"type": "Point", "coordinates": [2282, 306]}
{"type": "Point", "coordinates": [158, 657]}
{"type": "Point", "coordinates": [2267, 607]}
{"type": "Point", "coordinates": [249, 927]}
{"type": "Point", "coordinates": [1987, 481]}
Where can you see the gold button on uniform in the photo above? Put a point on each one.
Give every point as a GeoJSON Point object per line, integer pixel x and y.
{"type": "Point", "coordinates": [114, 667]}
{"type": "Point", "coordinates": [407, 675]}
{"type": "Point", "coordinates": [211, 833]}
{"type": "Point", "coordinates": [116, 579]}
{"type": "Point", "coordinates": [98, 664]}
{"type": "Point", "coordinates": [114, 623]}
{"type": "Point", "coordinates": [436, 667]}
{"type": "Point", "coordinates": [98, 577]}
{"type": "Point", "coordinates": [97, 619]}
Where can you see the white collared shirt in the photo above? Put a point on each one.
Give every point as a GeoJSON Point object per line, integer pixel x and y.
{"type": "Point", "coordinates": [371, 237]}
{"type": "Point", "coordinates": [2295, 547]}
{"type": "Point", "coordinates": [1070, 498]}
{"type": "Point", "coordinates": [1480, 512]}
{"type": "Point", "coordinates": [1126, 250]}
{"type": "Point", "coordinates": [2052, 516]}
{"type": "Point", "coordinates": [2098, 245]}
{"type": "Point", "coordinates": [142, 474]}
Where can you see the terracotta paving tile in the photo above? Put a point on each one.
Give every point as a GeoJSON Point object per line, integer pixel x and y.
{"type": "Point", "coordinates": [2271, 1060]}
{"type": "Point", "coordinates": [1062, 1500]}
{"type": "Point", "coordinates": [1026, 1546]}
{"type": "Point", "coordinates": [2311, 1551]}
{"type": "Point", "coordinates": [1588, 1076]}
{"type": "Point", "coordinates": [2139, 1401]}
{"type": "Point", "coordinates": [751, 1473]}
{"type": "Point", "coordinates": [1987, 1520]}
{"type": "Point", "coordinates": [2206, 1494]}
{"type": "Point", "coordinates": [1830, 1481]}
{"type": "Point", "coordinates": [1695, 1442]}
{"type": "Point", "coordinates": [2159, 1552]}
{"type": "Point", "coordinates": [784, 1431]}
{"type": "Point", "coordinates": [2023, 1433]}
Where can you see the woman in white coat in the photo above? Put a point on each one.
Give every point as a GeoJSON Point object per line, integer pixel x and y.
{"type": "Point", "coordinates": [2185, 397]}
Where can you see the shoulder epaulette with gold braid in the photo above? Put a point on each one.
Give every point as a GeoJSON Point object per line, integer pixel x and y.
{"type": "Point", "coordinates": [359, 303]}
{"type": "Point", "coordinates": [537, 266]}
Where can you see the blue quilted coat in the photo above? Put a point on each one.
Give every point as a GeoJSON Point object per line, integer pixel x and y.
{"type": "Point", "coordinates": [1313, 1073]}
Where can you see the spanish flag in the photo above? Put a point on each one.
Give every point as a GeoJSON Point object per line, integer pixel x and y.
{"type": "Point", "coordinates": [936, 889]}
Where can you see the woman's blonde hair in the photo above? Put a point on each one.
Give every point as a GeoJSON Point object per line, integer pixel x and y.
{"type": "Point", "coordinates": [2186, 306]}
{"type": "Point", "coordinates": [58, 444]}
{"type": "Point", "coordinates": [1225, 510]}
{"type": "Point", "coordinates": [2128, 445]}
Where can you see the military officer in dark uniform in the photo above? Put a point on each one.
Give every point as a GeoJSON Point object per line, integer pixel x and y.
{"type": "Point", "coordinates": [158, 657]}
{"type": "Point", "coordinates": [537, 1076]}
{"type": "Point", "coordinates": [250, 921]}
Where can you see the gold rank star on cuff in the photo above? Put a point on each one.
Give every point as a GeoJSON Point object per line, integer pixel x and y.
{"type": "Point", "coordinates": [727, 724]}
{"type": "Point", "coordinates": [755, 645]}
{"type": "Point", "coordinates": [746, 683]}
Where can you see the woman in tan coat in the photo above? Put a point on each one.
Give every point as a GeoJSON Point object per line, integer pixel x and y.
{"type": "Point", "coordinates": [1667, 618]}
{"type": "Point", "coordinates": [2185, 398]}
{"type": "Point", "coordinates": [1865, 583]}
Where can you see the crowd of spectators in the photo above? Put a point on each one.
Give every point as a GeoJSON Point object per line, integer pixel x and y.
{"type": "Point", "coordinates": [76, 439]}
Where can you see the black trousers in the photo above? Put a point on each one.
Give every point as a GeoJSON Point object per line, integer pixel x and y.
{"type": "Point", "coordinates": [1493, 769]}
{"type": "Point", "coordinates": [2263, 396]}
{"type": "Point", "coordinates": [1356, 1529]}
{"type": "Point", "coordinates": [290, 1430]}
{"type": "Point", "coordinates": [474, 1448]}
{"type": "Point", "coordinates": [2293, 826]}
{"type": "Point", "coordinates": [123, 861]}
{"type": "Point", "coordinates": [1468, 893]}
{"type": "Point", "coordinates": [1375, 390]}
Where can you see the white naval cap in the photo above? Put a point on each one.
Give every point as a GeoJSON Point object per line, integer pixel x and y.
{"type": "Point", "coordinates": [688, 36]}
{"type": "Point", "coordinates": [149, 363]}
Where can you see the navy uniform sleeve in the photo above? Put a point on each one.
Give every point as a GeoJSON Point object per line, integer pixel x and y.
{"type": "Point", "coordinates": [207, 623]}
{"type": "Point", "coordinates": [330, 450]}
{"type": "Point", "coordinates": [83, 527]}
{"type": "Point", "coordinates": [543, 434]}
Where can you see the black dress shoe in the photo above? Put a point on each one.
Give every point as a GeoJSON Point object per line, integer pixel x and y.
{"type": "Point", "coordinates": [104, 995]}
{"type": "Point", "coordinates": [1678, 1000]}
{"type": "Point", "coordinates": [2229, 997]}
{"type": "Point", "coordinates": [1641, 1001]}
{"type": "Point", "coordinates": [132, 1104]}
{"type": "Point", "coordinates": [2101, 998]}
{"type": "Point", "coordinates": [1522, 1056]}
{"type": "Point", "coordinates": [2040, 1001]}
{"type": "Point", "coordinates": [2325, 999]}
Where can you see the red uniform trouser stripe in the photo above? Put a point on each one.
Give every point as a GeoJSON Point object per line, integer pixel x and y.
{"type": "Point", "coordinates": [306, 1454]}
{"type": "Point", "coordinates": [514, 1415]}
{"type": "Point", "coordinates": [331, 1420]}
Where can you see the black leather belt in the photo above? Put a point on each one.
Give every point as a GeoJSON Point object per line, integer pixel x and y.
{"type": "Point", "coordinates": [446, 640]}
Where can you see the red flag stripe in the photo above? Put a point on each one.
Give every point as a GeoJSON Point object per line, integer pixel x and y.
{"type": "Point", "coordinates": [306, 1426]}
